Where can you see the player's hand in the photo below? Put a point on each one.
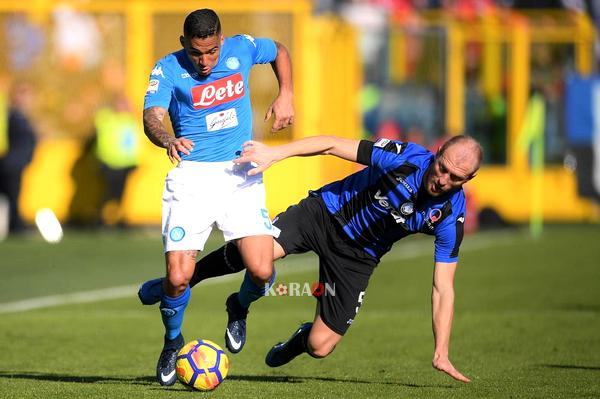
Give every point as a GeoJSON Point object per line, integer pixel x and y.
{"type": "Point", "coordinates": [442, 363]}
{"type": "Point", "coordinates": [283, 109]}
{"type": "Point", "coordinates": [262, 155]}
{"type": "Point", "coordinates": [174, 146]}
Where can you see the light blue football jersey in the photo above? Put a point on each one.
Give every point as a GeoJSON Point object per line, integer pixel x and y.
{"type": "Point", "coordinates": [213, 111]}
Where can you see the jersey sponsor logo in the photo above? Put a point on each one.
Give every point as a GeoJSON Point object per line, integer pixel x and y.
{"type": "Point", "coordinates": [402, 172]}
{"type": "Point", "coordinates": [435, 215]}
{"type": "Point", "coordinates": [232, 63]}
{"type": "Point", "coordinates": [157, 71]}
{"type": "Point", "coordinates": [186, 75]}
{"type": "Point", "coordinates": [381, 143]}
{"type": "Point", "coordinates": [250, 38]}
{"type": "Point", "coordinates": [385, 203]}
{"type": "Point", "coordinates": [218, 92]}
{"type": "Point", "coordinates": [391, 146]}
{"type": "Point", "coordinates": [152, 86]}
{"type": "Point", "coordinates": [404, 183]}
{"type": "Point", "coordinates": [221, 120]}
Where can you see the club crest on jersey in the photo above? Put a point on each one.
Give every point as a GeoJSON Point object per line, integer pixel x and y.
{"type": "Point", "coordinates": [407, 208]}
{"type": "Point", "coordinates": [232, 63]}
{"type": "Point", "coordinates": [220, 91]}
{"type": "Point", "coordinates": [177, 233]}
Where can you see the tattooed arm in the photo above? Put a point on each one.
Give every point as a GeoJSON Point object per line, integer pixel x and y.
{"type": "Point", "coordinates": [158, 135]}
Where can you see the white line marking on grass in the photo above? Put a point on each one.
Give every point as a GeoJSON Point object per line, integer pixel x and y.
{"type": "Point", "coordinates": [297, 264]}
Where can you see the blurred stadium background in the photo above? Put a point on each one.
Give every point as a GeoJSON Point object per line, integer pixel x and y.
{"type": "Point", "coordinates": [416, 70]}
{"type": "Point", "coordinates": [520, 76]}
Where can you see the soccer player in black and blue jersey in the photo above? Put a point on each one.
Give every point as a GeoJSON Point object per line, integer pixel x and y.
{"type": "Point", "coordinates": [350, 224]}
{"type": "Point", "coordinates": [353, 222]}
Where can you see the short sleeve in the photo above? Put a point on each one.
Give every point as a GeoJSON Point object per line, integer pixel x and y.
{"type": "Point", "coordinates": [160, 87]}
{"type": "Point", "coordinates": [448, 238]}
{"type": "Point", "coordinates": [263, 50]}
{"type": "Point", "coordinates": [382, 153]}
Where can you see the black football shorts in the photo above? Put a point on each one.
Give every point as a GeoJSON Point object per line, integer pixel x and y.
{"type": "Point", "coordinates": [344, 270]}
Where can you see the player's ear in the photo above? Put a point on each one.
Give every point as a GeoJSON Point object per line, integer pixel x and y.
{"type": "Point", "coordinates": [182, 41]}
{"type": "Point", "coordinates": [222, 39]}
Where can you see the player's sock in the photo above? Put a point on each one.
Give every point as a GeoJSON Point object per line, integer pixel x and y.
{"type": "Point", "coordinates": [250, 292]}
{"type": "Point", "coordinates": [225, 260]}
{"type": "Point", "coordinates": [172, 310]}
{"type": "Point", "coordinates": [151, 291]}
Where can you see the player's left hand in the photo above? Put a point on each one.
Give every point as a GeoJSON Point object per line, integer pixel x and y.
{"type": "Point", "coordinates": [261, 154]}
{"type": "Point", "coordinates": [442, 363]}
{"type": "Point", "coordinates": [283, 109]}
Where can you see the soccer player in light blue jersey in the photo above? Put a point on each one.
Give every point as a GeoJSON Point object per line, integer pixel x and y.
{"type": "Point", "coordinates": [204, 88]}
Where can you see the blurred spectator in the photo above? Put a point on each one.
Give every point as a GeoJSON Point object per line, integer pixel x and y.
{"type": "Point", "coordinates": [371, 22]}
{"type": "Point", "coordinates": [582, 128]}
{"type": "Point", "coordinates": [21, 144]}
{"type": "Point", "coordinates": [118, 150]}
{"type": "Point", "coordinates": [25, 41]}
{"type": "Point", "coordinates": [76, 38]}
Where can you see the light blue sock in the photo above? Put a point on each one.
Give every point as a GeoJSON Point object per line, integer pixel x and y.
{"type": "Point", "coordinates": [172, 310]}
{"type": "Point", "coordinates": [250, 292]}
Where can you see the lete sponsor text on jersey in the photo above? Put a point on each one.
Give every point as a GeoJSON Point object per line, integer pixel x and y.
{"type": "Point", "coordinates": [218, 92]}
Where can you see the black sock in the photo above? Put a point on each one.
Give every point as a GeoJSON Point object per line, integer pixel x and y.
{"type": "Point", "coordinates": [225, 260]}
{"type": "Point", "coordinates": [298, 344]}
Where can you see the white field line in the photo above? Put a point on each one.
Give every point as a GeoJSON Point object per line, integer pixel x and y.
{"type": "Point", "coordinates": [297, 264]}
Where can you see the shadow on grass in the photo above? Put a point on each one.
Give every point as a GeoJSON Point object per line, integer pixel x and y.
{"type": "Point", "coordinates": [580, 307]}
{"type": "Point", "coordinates": [571, 366]}
{"type": "Point", "coordinates": [151, 380]}
{"type": "Point", "coordinates": [86, 379]}
{"type": "Point", "coordinates": [290, 379]}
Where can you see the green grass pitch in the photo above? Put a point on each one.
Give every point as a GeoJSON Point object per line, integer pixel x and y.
{"type": "Point", "coordinates": [527, 322]}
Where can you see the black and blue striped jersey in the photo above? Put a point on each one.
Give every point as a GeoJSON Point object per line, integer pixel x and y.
{"type": "Point", "coordinates": [387, 201]}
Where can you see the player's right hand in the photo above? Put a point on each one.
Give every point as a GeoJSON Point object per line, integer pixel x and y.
{"type": "Point", "coordinates": [177, 145]}
{"type": "Point", "coordinates": [261, 154]}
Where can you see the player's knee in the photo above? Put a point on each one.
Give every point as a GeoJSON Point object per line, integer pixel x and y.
{"type": "Point", "coordinates": [261, 273]}
{"type": "Point", "coordinates": [177, 281]}
{"type": "Point", "coordinates": [319, 348]}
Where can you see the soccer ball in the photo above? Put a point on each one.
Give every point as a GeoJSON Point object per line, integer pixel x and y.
{"type": "Point", "coordinates": [202, 365]}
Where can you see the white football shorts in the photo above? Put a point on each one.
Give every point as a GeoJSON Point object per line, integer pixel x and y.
{"type": "Point", "coordinates": [198, 195]}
